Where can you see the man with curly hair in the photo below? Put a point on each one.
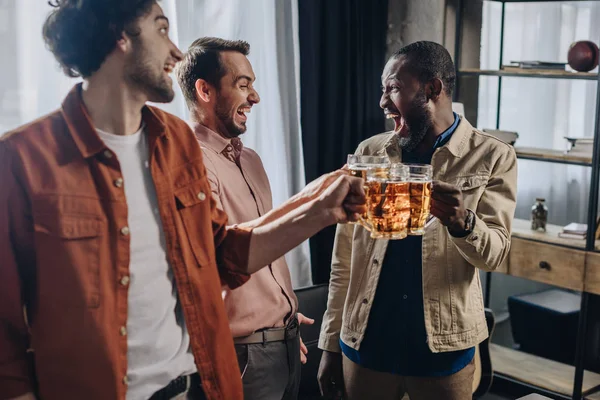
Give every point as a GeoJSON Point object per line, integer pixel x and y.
{"type": "Point", "coordinates": [113, 250]}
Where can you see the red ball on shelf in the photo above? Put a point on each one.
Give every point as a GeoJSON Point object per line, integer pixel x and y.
{"type": "Point", "coordinates": [583, 56]}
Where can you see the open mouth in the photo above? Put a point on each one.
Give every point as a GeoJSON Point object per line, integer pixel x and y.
{"type": "Point", "coordinates": [242, 111]}
{"type": "Point", "coordinates": [399, 123]}
{"type": "Point", "coordinates": [168, 68]}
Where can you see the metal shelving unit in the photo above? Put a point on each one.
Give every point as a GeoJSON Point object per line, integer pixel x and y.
{"type": "Point", "coordinates": [553, 156]}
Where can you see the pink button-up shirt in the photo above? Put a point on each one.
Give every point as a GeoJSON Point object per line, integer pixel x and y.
{"type": "Point", "coordinates": [241, 188]}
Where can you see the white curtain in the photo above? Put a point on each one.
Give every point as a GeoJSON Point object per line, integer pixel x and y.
{"type": "Point", "coordinates": [31, 84]}
{"type": "Point", "coordinates": [542, 111]}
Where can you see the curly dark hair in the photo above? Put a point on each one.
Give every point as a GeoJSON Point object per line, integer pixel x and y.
{"type": "Point", "coordinates": [430, 60]}
{"type": "Point", "coordinates": [81, 33]}
{"type": "Point", "coordinates": [203, 61]}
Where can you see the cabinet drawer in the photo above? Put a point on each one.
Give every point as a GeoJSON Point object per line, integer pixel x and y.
{"type": "Point", "coordinates": [559, 266]}
{"type": "Point", "coordinates": [592, 273]}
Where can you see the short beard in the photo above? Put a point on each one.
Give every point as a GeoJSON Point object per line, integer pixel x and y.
{"type": "Point", "coordinates": [419, 121]}
{"type": "Point", "coordinates": [223, 113]}
{"type": "Point", "coordinates": [139, 73]}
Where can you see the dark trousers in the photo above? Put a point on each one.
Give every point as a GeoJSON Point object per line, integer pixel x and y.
{"type": "Point", "coordinates": [270, 371]}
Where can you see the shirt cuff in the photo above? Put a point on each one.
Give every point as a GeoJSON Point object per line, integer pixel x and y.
{"type": "Point", "coordinates": [233, 257]}
{"type": "Point", "coordinates": [472, 241]}
{"type": "Point", "coordinates": [330, 342]}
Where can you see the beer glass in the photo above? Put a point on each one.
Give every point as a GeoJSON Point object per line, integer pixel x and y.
{"type": "Point", "coordinates": [420, 176]}
{"type": "Point", "coordinates": [388, 202]}
{"type": "Point", "coordinates": [358, 166]}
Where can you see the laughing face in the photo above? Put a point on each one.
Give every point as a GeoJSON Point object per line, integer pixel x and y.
{"type": "Point", "coordinates": [236, 94]}
{"type": "Point", "coordinates": [404, 100]}
{"type": "Point", "coordinates": [152, 58]}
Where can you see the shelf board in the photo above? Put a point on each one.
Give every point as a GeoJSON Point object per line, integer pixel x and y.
{"type": "Point", "coordinates": [556, 156]}
{"type": "Point", "coordinates": [521, 228]}
{"type": "Point", "coordinates": [538, 1]}
{"type": "Point", "coordinates": [530, 74]}
{"type": "Point", "coordinates": [593, 396]}
{"type": "Point", "coordinates": [539, 371]}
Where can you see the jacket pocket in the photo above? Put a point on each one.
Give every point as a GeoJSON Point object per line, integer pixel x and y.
{"type": "Point", "coordinates": [68, 252]}
{"type": "Point", "coordinates": [472, 187]}
{"type": "Point", "coordinates": [193, 204]}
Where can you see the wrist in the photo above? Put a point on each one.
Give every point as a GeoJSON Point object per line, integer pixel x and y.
{"type": "Point", "coordinates": [463, 227]}
{"type": "Point", "coordinates": [320, 213]}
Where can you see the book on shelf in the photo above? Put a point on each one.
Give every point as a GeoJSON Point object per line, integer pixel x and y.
{"type": "Point", "coordinates": [535, 65]}
{"type": "Point", "coordinates": [575, 230]}
{"type": "Point", "coordinates": [509, 137]}
{"type": "Point", "coordinates": [580, 146]}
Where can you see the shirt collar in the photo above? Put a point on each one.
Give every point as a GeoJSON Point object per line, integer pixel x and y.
{"type": "Point", "coordinates": [230, 148]}
{"type": "Point", "coordinates": [445, 136]}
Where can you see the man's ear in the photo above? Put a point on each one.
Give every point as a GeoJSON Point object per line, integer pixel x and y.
{"type": "Point", "coordinates": [124, 43]}
{"type": "Point", "coordinates": [204, 91]}
{"type": "Point", "coordinates": [434, 89]}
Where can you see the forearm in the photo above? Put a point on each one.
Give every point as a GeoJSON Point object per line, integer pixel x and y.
{"type": "Point", "coordinates": [273, 239]}
{"type": "Point", "coordinates": [288, 206]}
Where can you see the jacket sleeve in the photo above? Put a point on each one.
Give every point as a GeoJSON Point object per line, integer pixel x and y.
{"type": "Point", "coordinates": [487, 246]}
{"type": "Point", "coordinates": [338, 288]}
{"type": "Point", "coordinates": [16, 261]}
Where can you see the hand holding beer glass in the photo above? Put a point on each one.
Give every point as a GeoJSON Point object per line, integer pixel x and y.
{"type": "Point", "coordinates": [359, 164]}
{"type": "Point", "coordinates": [398, 196]}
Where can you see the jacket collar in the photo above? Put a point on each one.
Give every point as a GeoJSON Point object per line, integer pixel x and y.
{"type": "Point", "coordinates": [83, 132]}
{"type": "Point", "coordinates": [456, 145]}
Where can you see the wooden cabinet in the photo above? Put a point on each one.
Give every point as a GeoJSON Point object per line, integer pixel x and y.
{"type": "Point", "coordinates": [591, 282]}
{"type": "Point", "coordinates": [547, 263]}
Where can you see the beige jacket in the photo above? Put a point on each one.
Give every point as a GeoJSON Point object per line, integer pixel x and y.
{"type": "Point", "coordinates": [485, 169]}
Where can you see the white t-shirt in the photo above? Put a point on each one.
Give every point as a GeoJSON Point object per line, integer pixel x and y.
{"type": "Point", "coordinates": [158, 344]}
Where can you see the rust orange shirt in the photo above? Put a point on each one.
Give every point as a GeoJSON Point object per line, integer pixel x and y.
{"type": "Point", "coordinates": [64, 254]}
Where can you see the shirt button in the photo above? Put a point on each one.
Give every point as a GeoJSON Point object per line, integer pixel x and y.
{"type": "Point", "coordinates": [125, 380]}
{"type": "Point", "coordinates": [365, 301]}
{"type": "Point", "coordinates": [201, 196]}
{"type": "Point", "coordinates": [118, 182]}
{"type": "Point", "coordinates": [123, 331]}
{"type": "Point", "coordinates": [125, 231]}
{"type": "Point", "coordinates": [405, 297]}
{"type": "Point", "coordinates": [146, 164]}
{"type": "Point", "coordinates": [108, 154]}
{"type": "Point", "coordinates": [474, 238]}
{"type": "Point", "coordinates": [353, 340]}
{"type": "Point", "coordinates": [375, 261]}
{"type": "Point", "coordinates": [124, 280]}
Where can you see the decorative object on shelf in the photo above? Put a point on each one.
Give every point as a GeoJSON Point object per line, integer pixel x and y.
{"type": "Point", "coordinates": [539, 215]}
{"type": "Point", "coordinates": [583, 56]}
{"type": "Point", "coordinates": [506, 136]}
{"type": "Point", "coordinates": [580, 146]}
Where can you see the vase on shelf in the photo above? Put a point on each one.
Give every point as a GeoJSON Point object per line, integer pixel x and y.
{"type": "Point", "coordinates": [539, 215]}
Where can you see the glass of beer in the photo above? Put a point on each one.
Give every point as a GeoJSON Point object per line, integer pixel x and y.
{"type": "Point", "coordinates": [420, 176]}
{"type": "Point", "coordinates": [388, 202]}
{"type": "Point", "coordinates": [358, 166]}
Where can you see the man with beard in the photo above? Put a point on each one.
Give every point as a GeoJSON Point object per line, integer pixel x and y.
{"type": "Point", "coordinates": [404, 316]}
{"type": "Point", "coordinates": [217, 81]}
{"type": "Point", "coordinates": [113, 250]}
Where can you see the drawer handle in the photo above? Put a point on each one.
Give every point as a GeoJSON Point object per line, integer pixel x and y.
{"type": "Point", "coordinates": [544, 265]}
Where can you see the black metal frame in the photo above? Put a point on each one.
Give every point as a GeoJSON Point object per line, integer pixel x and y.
{"type": "Point", "coordinates": [501, 379]}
